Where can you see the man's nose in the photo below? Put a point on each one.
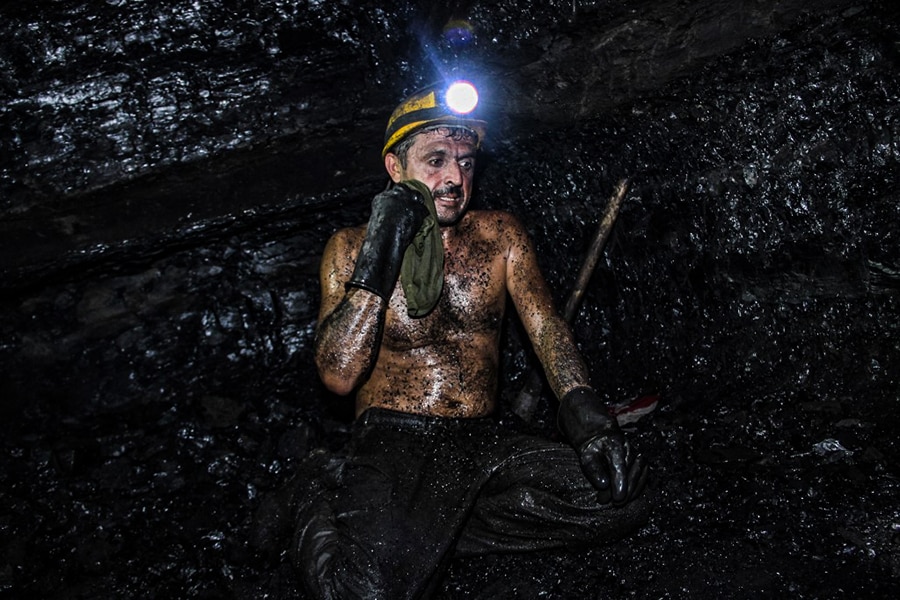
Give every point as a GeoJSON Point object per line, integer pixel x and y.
{"type": "Point", "coordinates": [453, 174]}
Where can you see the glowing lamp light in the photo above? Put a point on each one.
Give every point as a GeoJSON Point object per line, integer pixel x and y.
{"type": "Point", "coordinates": [462, 97]}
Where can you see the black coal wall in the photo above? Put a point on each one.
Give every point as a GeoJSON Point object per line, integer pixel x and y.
{"type": "Point", "coordinates": [169, 172]}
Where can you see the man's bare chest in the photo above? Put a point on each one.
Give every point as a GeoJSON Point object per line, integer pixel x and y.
{"type": "Point", "coordinates": [472, 303]}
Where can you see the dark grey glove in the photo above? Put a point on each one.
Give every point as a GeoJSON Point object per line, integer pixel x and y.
{"type": "Point", "coordinates": [606, 457]}
{"type": "Point", "coordinates": [397, 215]}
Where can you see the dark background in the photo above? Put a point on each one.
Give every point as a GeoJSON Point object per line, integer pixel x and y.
{"type": "Point", "coordinates": [169, 173]}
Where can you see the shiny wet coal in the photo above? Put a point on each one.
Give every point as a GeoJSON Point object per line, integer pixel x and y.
{"type": "Point", "coordinates": [154, 394]}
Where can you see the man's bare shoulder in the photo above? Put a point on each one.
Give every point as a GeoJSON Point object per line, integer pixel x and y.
{"type": "Point", "coordinates": [496, 221]}
{"type": "Point", "coordinates": [349, 233]}
{"type": "Point", "coordinates": [339, 255]}
{"type": "Point", "coordinates": [345, 240]}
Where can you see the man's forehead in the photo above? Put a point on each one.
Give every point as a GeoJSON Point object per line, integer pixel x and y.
{"type": "Point", "coordinates": [444, 138]}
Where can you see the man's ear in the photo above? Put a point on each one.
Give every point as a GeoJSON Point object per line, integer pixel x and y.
{"type": "Point", "coordinates": [393, 166]}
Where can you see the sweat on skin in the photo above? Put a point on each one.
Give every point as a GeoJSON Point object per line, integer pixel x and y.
{"type": "Point", "coordinates": [446, 363]}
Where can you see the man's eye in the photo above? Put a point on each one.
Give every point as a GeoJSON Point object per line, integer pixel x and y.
{"type": "Point", "coordinates": [466, 165]}
{"type": "Point", "coordinates": [436, 162]}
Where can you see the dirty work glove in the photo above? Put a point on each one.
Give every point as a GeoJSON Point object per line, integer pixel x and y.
{"type": "Point", "coordinates": [607, 460]}
{"type": "Point", "coordinates": [397, 215]}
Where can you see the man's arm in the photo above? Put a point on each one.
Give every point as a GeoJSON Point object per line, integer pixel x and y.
{"type": "Point", "coordinates": [606, 458]}
{"type": "Point", "coordinates": [350, 319]}
{"type": "Point", "coordinates": [355, 292]}
{"type": "Point", "coordinates": [548, 332]}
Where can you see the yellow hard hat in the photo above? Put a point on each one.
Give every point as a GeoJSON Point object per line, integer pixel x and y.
{"type": "Point", "coordinates": [437, 104]}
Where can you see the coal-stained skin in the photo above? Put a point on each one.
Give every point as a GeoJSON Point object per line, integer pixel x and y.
{"type": "Point", "coordinates": [445, 363]}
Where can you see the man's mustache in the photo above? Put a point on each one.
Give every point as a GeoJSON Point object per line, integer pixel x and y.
{"type": "Point", "coordinates": [450, 190]}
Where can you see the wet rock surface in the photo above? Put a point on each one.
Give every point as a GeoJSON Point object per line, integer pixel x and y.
{"type": "Point", "coordinates": [155, 335]}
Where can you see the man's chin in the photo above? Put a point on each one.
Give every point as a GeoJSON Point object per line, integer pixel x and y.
{"type": "Point", "coordinates": [450, 215]}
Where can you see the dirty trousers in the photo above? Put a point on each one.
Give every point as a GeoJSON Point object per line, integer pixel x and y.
{"type": "Point", "coordinates": [413, 492]}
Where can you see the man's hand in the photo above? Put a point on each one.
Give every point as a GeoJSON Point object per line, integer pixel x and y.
{"type": "Point", "coordinates": [606, 457]}
{"type": "Point", "coordinates": [397, 215]}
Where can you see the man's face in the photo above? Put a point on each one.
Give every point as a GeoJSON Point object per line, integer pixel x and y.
{"type": "Point", "coordinates": [446, 164]}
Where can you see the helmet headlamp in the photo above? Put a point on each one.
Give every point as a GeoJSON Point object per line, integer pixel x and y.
{"type": "Point", "coordinates": [437, 104]}
{"type": "Point", "coordinates": [461, 97]}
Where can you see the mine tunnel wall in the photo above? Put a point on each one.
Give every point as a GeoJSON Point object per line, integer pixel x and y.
{"type": "Point", "coordinates": [756, 255]}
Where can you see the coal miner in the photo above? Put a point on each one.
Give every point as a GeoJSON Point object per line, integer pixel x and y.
{"type": "Point", "coordinates": [410, 319]}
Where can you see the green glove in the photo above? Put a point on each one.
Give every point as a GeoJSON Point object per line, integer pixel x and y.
{"type": "Point", "coordinates": [422, 271]}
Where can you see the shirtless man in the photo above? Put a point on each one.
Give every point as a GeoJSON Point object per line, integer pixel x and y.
{"type": "Point", "coordinates": [428, 474]}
